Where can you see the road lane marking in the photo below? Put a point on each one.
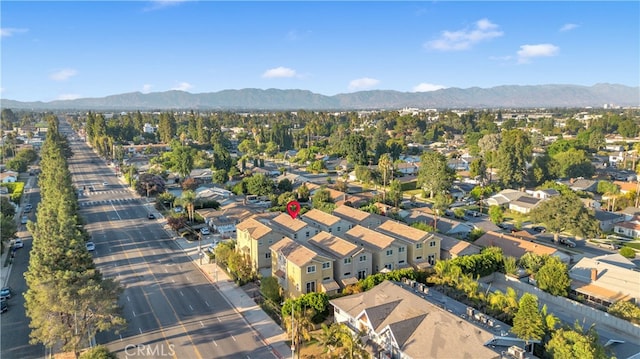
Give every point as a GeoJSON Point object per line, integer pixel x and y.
{"type": "Point", "coordinates": [134, 312]}
{"type": "Point", "coordinates": [234, 338]}
{"type": "Point", "coordinates": [201, 324]}
{"type": "Point", "coordinates": [214, 342]}
{"type": "Point", "coordinates": [128, 300]}
{"type": "Point", "coordinates": [140, 330]}
{"type": "Point", "coordinates": [197, 291]}
{"type": "Point", "coordinates": [166, 271]}
{"type": "Point", "coordinates": [207, 303]}
{"type": "Point", "coordinates": [181, 294]}
{"type": "Point", "coordinates": [191, 307]}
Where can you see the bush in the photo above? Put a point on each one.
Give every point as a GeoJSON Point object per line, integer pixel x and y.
{"type": "Point", "coordinates": [98, 352]}
{"type": "Point", "coordinates": [627, 252]}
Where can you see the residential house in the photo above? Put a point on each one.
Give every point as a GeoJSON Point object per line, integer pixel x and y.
{"type": "Point", "coordinates": [351, 262]}
{"type": "Point", "coordinates": [295, 179]}
{"type": "Point", "coordinates": [254, 237]}
{"type": "Point", "coordinates": [452, 248]}
{"type": "Point", "coordinates": [605, 280]}
{"type": "Point", "coordinates": [404, 324]}
{"type": "Point", "coordinates": [294, 228]}
{"type": "Point", "coordinates": [544, 193]}
{"type": "Point", "coordinates": [581, 184]}
{"type": "Point", "coordinates": [355, 216]}
{"type": "Point", "coordinates": [202, 175]}
{"type": "Point", "coordinates": [300, 269]}
{"type": "Point", "coordinates": [8, 177]}
{"type": "Point", "coordinates": [504, 197]}
{"type": "Point", "coordinates": [387, 251]}
{"type": "Point", "coordinates": [606, 220]}
{"type": "Point", "coordinates": [630, 213]}
{"type": "Point", "coordinates": [443, 224]}
{"type": "Point", "coordinates": [516, 247]}
{"type": "Point", "coordinates": [626, 187]}
{"type": "Point", "coordinates": [423, 248]}
{"type": "Point", "coordinates": [628, 228]}
{"type": "Point", "coordinates": [524, 204]}
{"type": "Point", "coordinates": [325, 222]}
{"type": "Point", "coordinates": [224, 221]}
{"type": "Point", "coordinates": [407, 168]}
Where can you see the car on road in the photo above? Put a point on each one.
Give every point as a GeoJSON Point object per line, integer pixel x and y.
{"type": "Point", "coordinates": [105, 184]}
{"type": "Point", "coordinates": [24, 220]}
{"type": "Point", "coordinates": [567, 242]}
{"type": "Point", "coordinates": [539, 229]}
{"type": "Point", "coordinates": [91, 246]}
{"type": "Point", "coordinates": [212, 247]}
{"type": "Point", "coordinates": [28, 207]}
{"type": "Point", "coordinates": [5, 293]}
{"type": "Point", "coordinates": [151, 216]}
{"type": "Point", "coordinates": [205, 231]}
{"type": "Point", "coordinates": [3, 306]}
{"type": "Point", "coordinates": [17, 243]}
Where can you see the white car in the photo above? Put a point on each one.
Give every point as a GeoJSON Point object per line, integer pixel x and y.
{"type": "Point", "coordinates": [24, 220]}
{"type": "Point", "coordinates": [205, 231]}
{"type": "Point", "coordinates": [18, 243]}
{"type": "Point", "coordinates": [91, 246]}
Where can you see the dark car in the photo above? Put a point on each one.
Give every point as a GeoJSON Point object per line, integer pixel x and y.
{"type": "Point", "coordinates": [539, 229]}
{"type": "Point", "coordinates": [151, 216]}
{"type": "Point", "coordinates": [28, 207]}
{"type": "Point", "coordinates": [5, 293]}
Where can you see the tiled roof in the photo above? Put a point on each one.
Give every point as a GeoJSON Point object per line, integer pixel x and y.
{"type": "Point", "coordinates": [255, 228]}
{"type": "Point", "coordinates": [512, 246]}
{"type": "Point", "coordinates": [334, 245]}
{"type": "Point", "coordinates": [371, 237]}
{"type": "Point", "coordinates": [295, 252]}
{"type": "Point", "coordinates": [404, 232]}
{"type": "Point", "coordinates": [293, 224]}
{"type": "Point", "coordinates": [322, 217]}
{"type": "Point", "coordinates": [351, 213]}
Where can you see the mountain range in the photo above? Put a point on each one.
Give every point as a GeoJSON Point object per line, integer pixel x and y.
{"type": "Point", "coordinates": [508, 96]}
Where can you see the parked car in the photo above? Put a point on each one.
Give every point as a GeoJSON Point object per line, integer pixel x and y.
{"type": "Point", "coordinates": [17, 243]}
{"type": "Point", "coordinates": [91, 246]}
{"type": "Point", "coordinates": [539, 229]}
{"type": "Point", "coordinates": [567, 242]}
{"type": "Point", "coordinates": [27, 208]}
{"type": "Point", "coordinates": [105, 184]}
{"type": "Point", "coordinates": [205, 231]}
{"type": "Point", "coordinates": [151, 216]}
{"type": "Point", "coordinates": [24, 220]}
{"type": "Point", "coordinates": [5, 293]}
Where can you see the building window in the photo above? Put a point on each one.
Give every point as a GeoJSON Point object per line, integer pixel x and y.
{"type": "Point", "coordinates": [295, 236]}
{"type": "Point", "coordinates": [432, 244]}
{"type": "Point", "coordinates": [401, 262]}
{"type": "Point", "coordinates": [329, 230]}
{"type": "Point", "coordinates": [326, 265]}
{"type": "Point", "coordinates": [431, 259]}
{"type": "Point", "coordinates": [347, 260]}
{"type": "Point", "coordinates": [338, 229]}
{"type": "Point", "coordinates": [388, 266]}
{"type": "Point", "coordinates": [363, 258]}
{"type": "Point", "coordinates": [311, 269]}
{"type": "Point", "coordinates": [362, 274]}
{"type": "Point", "coordinates": [307, 234]}
{"type": "Point", "coordinates": [270, 241]}
{"type": "Point", "coordinates": [346, 274]}
{"type": "Point", "coordinates": [419, 245]}
{"type": "Point", "coordinates": [267, 255]}
{"type": "Point", "coordinates": [418, 257]}
{"type": "Point", "coordinates": [259, 243]}
{"type": "Point", "coordinates": [326, 278]}
{"type": "Point", "coordinates": [401, 249]}
{"type": "Point", "coordinates": [389, 252]}
{"type": "Point", "coordinates": [311, 287]}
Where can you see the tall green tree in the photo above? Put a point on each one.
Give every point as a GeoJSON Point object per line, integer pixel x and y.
{"type": "Point", "coordinates": [385, 166]}
{"type": "Point", "coordinates": [513, 154]}
{"type": "Point", "coordinates": [567, 343]}
{"type": "Point", "coordinates": [553, 277]}
{"type": "Point", "coordinates": [565, 213]}
{"type": "Point", "coordinates": [527, 323]}
{"type": "Point", "coordinates": [434, 175]}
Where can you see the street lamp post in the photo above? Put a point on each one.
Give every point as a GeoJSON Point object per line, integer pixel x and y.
{"type": "Point", "coordinates": [200, 247]}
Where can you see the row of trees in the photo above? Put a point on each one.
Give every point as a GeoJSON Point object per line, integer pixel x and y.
{"type": "Point", "coordinates": [68, 300]}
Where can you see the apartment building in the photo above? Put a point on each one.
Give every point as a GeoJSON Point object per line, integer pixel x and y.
{"type": "Point", "coordinates": [351, 262]}
{"type": "Point", "coordinates": [254, 236]}
{"type": "Point", "coordinates": [423, 248]}
{"type": "Point", "coordinates": [326, 222]}
{"type": "Point", "coordinates": [387, 251]}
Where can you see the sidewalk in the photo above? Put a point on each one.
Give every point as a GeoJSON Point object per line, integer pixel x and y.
{"type": "Point", "coordinates": [266, 329]}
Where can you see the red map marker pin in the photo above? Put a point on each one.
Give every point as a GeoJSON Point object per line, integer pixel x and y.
{"type": "Point", "coordinates": [293, 208]}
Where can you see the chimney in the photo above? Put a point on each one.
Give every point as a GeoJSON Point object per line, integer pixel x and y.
{"type": "Point", "coordinates": [594, 274]}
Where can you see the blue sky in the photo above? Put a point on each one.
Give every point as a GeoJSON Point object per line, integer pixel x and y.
{"type": "Point", "coordinates": [70, 49]}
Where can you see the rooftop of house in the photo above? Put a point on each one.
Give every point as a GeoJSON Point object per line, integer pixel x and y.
{"type": "Point", "coordinates": [457, 247]}
{"type": "Point", "coordinates": [612, 282]}
{"type": "Point", "coordinates": [416, 324]}
{"type": "Point", "coordinates": [292, 224]}
{"type": "Point", "coordinates": [351, 214]}
{"type": "Point", "coordinates": [371, 237]}
{"type": "Point", "coordinates": [321, 217]}
{"type": "Point", "coordinates": [512, 246]}
{"type": "Point", "coordinates": [295, 252]}
{"type": "Point", "coordinates": [403, 232]}
{"type": "Point", "coordinates": [336, 246]}
{"type": "Point", "coordinates": [254, 227]}
{"type": "Point", "coordinates": [604, 216]}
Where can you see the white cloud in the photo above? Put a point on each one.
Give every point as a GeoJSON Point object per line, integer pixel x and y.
{"type": "Point", "coordinates": [161, 4]}
{"type": "Point", "coordinates": [69, 96]}
{"type": "Point", "coordinates": [425, 87]}
{"type": "Point", "coordinates": [183, 86]}
{"type": "Point", "coordinates": [527, 52]}
{"type": "Point", "coordinates": [146, 88]}
{"type": "Point", "coordinates": [63, 75]}
{"type": "Point", "coordinates": [464, 39]}
{"type": "Point", "coordinates": [7, 31]}
{"type": "Point", "coordinates": [362, 83]}
{"type": "Point", "coordinates": [568, 27]}
{"type": "Point", "coordinates": [279, 72]}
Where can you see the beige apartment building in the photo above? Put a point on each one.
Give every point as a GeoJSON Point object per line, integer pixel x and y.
{"type": "Point", "coordinates": [423, 248]}
{"type": "Point", "coordinates": [301, 270]}
{"type": "Point", "coordinates": [355, 216]}
{"type": "Point", "coordinates": [326, 222]}
{"type": "Point", "coordinates": [351, 262]}
{"type": "Point", "coordinates": [388, 252]}
{"type": "Point", "coordinates": [254, 237]}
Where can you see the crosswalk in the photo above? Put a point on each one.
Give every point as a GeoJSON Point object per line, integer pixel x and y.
{"type": "Point", "coordinates": [102, 193]}
{"type": "Point", "coordinates": [109, 201]}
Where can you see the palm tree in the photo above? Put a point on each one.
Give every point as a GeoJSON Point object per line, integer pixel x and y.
{"type": "Point", "coordinates": [188, 199]}
{"type": "Point", "coordinates": [328, 338]}
{"type": "Point", "coordinates": [351, 343]}
{"type": "Point", "coordinates": [384, 165]}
